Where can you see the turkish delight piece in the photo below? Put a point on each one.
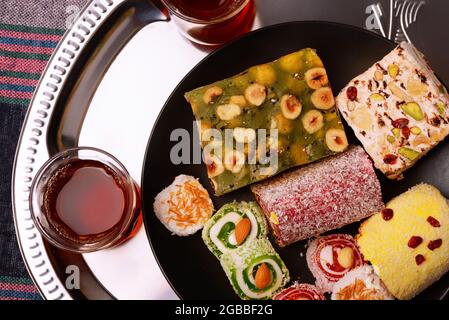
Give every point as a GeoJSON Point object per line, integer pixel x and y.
{"type": "Point", "coordinates": [398, 110]}
{"type": "Point", "coordinates": [290, 98]}
{"type": "Point", "coordinates": [320, 197]}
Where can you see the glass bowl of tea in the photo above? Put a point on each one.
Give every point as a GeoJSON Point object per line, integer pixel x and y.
{"type": "Point", "coordinates": [84, 200]}
{"type": "Point", "coordinates": [211, 22]}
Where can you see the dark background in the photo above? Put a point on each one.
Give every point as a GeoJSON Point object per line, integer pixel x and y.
{"type": "Point", "coordinates": [429, 33]}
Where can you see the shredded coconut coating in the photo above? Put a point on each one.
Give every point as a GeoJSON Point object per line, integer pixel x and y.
{"type": "Point", "coordinates": [384, 243]}
{"type": "Point", "coordinates": [361, 283]}
{"type": "Point", "coordinates": [320, 197]}
{"type": "Point", "coordinates": [184, 206]}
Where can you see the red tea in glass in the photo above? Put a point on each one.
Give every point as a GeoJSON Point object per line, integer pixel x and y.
{"type": "Point", "coordinates": [83, 200]}
{"type": "Point", "coordinates": [212, 22]}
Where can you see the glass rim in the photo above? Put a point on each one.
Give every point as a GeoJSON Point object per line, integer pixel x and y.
{"type": "Point", "coordinates": [105, 242]}
{"type": "Point", "coordinates": [173, 10]}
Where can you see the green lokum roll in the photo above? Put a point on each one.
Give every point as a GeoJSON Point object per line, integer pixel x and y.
{"type": "Point", "coordinates": [255, 270]}
{"type": "Point", "coordinates": [220, 231]}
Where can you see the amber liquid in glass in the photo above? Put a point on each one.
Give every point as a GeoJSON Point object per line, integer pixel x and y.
{"type": "Point", "coordinates": [85, 201]}
{"type": "Point", "coordinates": [229, 26]}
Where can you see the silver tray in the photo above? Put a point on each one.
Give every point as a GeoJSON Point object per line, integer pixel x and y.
{"type": "Point", "coordinates": [104, 86]}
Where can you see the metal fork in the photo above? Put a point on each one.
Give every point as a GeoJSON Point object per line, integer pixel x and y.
{"type": "Point", "coordinates": [402, 14]}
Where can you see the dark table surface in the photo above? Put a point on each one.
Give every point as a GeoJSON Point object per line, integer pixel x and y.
{"type": "Point", "coordinates": [427, 27]}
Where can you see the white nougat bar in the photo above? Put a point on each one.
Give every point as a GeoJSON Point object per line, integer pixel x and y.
{"type": "Point", "coordinates": [398, 109]}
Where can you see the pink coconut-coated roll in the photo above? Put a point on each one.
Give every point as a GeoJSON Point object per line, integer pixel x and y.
{"type": "Point", "coordinates": [323, 259]}
{"type": "Point", "coordinates": [320, 197]}
{"type": "Point", "coordinates": [300, 291]}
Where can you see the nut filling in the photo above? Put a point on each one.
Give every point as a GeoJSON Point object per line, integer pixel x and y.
{"type": "Point", "coordinates": [290, 99]}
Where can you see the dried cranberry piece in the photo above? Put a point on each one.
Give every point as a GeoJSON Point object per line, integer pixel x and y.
{"type": "Point", "coordinates": [390, 159]}
{"type": "Point", "coordinates": [419, 259]}
{"type": "Point", "coordinates": [414, 242]}
{"type": "Point", "coordinates": [387, 214]}
{"type": "Point", "coordinates": [400, 123]}
{"type": "Point", "coordinates": [433, 222]}
{"type": "Point", "coordinates": [435, 244]}
{"type": "Point", "coordinates": [406, 132]}
{"type": "Point", "coordinates": [351, 92]}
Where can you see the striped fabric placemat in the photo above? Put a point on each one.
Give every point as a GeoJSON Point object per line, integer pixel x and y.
{"type": "Point", "coordinates": [13, 288]}
{"type": "Point", "coordinates": [24, 52]}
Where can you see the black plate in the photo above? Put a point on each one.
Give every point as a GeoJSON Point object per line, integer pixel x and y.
{"type": "Point", "coordinates": [190, 268]}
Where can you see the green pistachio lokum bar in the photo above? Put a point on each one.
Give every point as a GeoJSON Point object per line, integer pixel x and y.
{"type": "Point", "coordinates": [284, 108]}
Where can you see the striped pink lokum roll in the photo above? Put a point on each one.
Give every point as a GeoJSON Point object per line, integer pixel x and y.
{"type": "Point", "coordinates": [322, 259]}
{"type": "Point", "coordinates": [320, 197]}
{"type": "Point", "coordinates": [300, 291]}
